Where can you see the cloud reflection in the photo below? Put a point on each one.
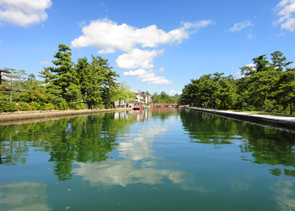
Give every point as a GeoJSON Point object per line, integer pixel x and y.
{"type": "Point", "coordinates": [23, 196]}
{"type": "Point", "coordinates": [137, 166]}
{"type": "Point", "coordinates": [284, 194]}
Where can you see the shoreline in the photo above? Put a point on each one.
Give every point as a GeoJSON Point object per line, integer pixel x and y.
{"type": "Point", "coordinates": [268, 120]}
{"type": "Point", "coordinates": [9, 117]}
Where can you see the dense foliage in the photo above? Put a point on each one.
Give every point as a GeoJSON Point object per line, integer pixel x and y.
{"type": "Point", "coordinates": [66, 85]}
{"type": "Point", "coordinates": [164, 98]}
{"type": "Point", "coordinates": [268, 86]}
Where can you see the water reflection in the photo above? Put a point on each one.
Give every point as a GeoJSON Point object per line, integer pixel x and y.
{"type": "Point", "coordinates": [284, 194]}
{"type": "Point", "coordinates": [193, 159]}
{"type": "Point", "coordinates": [139, 162]}
{"type": "Point", "coordinates": [124, 173]}
{"type": "Point", "coordinates": [261, 145]}
{"type": "Point", "coordinates": [68, 140]}
{"type": "Point", "coordinates": [24, 196]}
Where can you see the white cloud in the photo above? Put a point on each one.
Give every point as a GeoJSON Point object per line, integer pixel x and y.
{"type": "Point", "coordinates": [239, 74]}
{"type": "Point", "coordinates": [239, 26]}
{"type": "Point", "coordinates": [285, 9]}
{"type": "Point", "coordinates": [135, 72]}
{"type": "Point", "coordinates": [106, 51]}
{"type": "Point", "coordinates": [173, 92]}
{"type": "Point", "coordinates": [108, 34]}
{"type": "Point", "coordinates": [282, 34]}
{"type": "Point", "coordinates": [24, 12]}
{"type": "Point", "coordinates": [161, 69]}
{"type": "Point", "coordinates": [44, 62]}
{"type": "Point", "coordinates": [250, 36]}
{"type": "Point", "coordinates": [137, 59]}
{"type": "Point", "coordinates": [106, 9]}
{"type": "Point", "coordinates": [251, 65]}
{"type": "Point", "coordinates": [151, 78]}
{"type": "Point", "coordinates": [148, 76]}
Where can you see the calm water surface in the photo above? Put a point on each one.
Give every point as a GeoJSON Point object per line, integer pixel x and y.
{"type": "Point", "coordinates": [160, 159]}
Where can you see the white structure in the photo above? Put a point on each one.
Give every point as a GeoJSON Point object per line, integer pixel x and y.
{"type": "Point", "coordinates": [142, 97]}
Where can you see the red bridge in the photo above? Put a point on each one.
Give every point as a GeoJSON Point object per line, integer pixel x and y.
{"type": "Point", "coordinates": [165, 104]}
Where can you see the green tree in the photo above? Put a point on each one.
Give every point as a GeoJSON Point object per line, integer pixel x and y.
{"type": "Point", "coordinates": [63, 79]}
{"type": "Point", "coordinates": [122, 92]}
{"type": "Point", "coordinates": [108, 78]}
{"type": "Point", "coordinates": [285, 93]}
{"type": "Point", "coordinates": [279, 61]}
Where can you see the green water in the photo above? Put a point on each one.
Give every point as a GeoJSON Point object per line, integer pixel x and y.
{"type": "Point", "coordinates": [160, 159]}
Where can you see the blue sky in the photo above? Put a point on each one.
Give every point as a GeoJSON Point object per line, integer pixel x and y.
{"type": "Point", "coordinates": [154, 45]}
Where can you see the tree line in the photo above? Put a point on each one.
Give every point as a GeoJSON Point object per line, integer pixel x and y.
{"type": "Point", "coordinates": [164, 98]}
{"type": "Point", "coordinates": [65, 85]}
{"type": "Point", "coordinates": [267, 86]}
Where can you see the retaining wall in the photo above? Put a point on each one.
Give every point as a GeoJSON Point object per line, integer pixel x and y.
{"type": "Point", "coordinates": [25, 115]}
{"type": "Point", "coordinates": [272, 120]}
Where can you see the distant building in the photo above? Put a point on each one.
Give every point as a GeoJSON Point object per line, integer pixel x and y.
{"type": "Point", "coordinates": [142, 97]}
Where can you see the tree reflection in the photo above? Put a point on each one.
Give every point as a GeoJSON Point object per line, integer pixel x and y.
{"type": "Point", "coordinates": [268, 145]}
{"type": "Point", "coordinates": [208, 129]}
{"type": "Point", "coordinates": [79, 139]}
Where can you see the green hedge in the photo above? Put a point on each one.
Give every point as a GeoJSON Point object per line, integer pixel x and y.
{"type": "Point", "coordinates": [7, 106]}
{"type": "Point", "coordinates": [33, 106]}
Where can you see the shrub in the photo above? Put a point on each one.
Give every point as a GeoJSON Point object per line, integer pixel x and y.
{"type": "Point", "coordinates": [35, 106]}
{"type": "Point", "coordinates": [63, 105]}
{"type": "Point", "coordinates": [22, 106]}
{"type": "Point", "coordinates": [7, 106]}
{"type": "Point", "coordinates": [76, 106]}
{"type": "Point", "coordinates": [109, 106]}
{"type": "Point", "coordinates": [82, 105]}
{"type": "Point", "coordinates": [49, 106]}
{"type": "Point", "coordinates": [98, 105]}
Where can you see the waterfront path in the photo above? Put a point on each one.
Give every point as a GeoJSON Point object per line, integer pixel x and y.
{"type": "Point", "coordinates": [278, 121]}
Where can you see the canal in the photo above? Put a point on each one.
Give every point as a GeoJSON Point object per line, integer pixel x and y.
{"type": "Point", "coordinates": [158, 159]}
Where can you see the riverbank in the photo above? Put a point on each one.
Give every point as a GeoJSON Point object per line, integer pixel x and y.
{"type": "Point", "coordinates": [25, 115]}
{"type": "Point", "coordinates": [272, 120]}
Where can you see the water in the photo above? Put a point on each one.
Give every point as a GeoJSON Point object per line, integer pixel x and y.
{"type": "Point", "coordinates": [160, 159]}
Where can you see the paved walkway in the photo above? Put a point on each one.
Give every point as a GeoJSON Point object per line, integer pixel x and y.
{"type": "Point", "coordinates": [281, 121]}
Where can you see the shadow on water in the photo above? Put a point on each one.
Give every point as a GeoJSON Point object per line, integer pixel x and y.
{"type": "Point", "coordinates": [79, 139]}
{"type": "Point", "coordinates": [265, 145]}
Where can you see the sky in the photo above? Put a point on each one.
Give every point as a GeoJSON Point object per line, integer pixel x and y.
{"type": "Point", "coordinates": [154, 46]}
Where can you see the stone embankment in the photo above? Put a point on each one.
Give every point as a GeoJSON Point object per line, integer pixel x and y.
{"type": "Point", "coordinates": [272, 120]}
{"type": "Point", "coordinates": [26, 115]}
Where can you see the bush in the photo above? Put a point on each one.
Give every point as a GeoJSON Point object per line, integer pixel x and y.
{"type": "Point", "coordinates": [7, 106]}
{"type": "Point", "coordinates": [63, 105]}
{"type": "Point", "coordinates": [34, 106]}
{"type": "Point", "coordinates": [82, 105]}
{"type": "Point", "coordinates": [109, 106]}
{"type": "Point", "coordinates": [22, 106]}
{"type": "Point", "coordinates": [49, 106]}
{"type": "Point", "coordinates": [98, 105]}
{"type": "Point", "coordinates": [76, 106]}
